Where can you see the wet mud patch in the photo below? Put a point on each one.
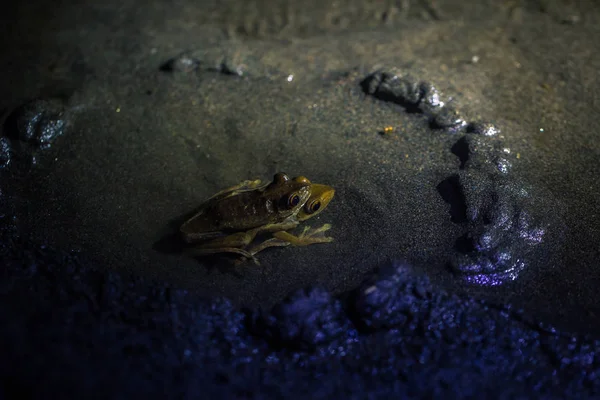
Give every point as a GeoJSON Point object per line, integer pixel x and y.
{"type": "Point", "coordinates": [483, 195]}
{"type": "Point", "coordinates": [375, 215]}
{"type": "Point", "coordinates": [502, 238]}
{"type": "Point", "coordinates": [217, 130]}
{"type": "Point", "coordinates": [171, 126]}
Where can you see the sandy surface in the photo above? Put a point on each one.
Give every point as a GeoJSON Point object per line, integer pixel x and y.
{"type": "Point", "coordinates": [267, 87]}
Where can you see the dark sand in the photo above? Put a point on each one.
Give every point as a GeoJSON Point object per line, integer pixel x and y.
{"type": "Point", "coordinates": [143, 147]}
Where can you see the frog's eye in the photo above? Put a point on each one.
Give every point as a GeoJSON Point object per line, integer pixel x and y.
{"type": "Point", "coordinates": [293, 200]}
{"type": "Point", "coordinates": [313, 207]}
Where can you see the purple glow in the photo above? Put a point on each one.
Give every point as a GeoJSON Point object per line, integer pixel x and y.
{"type": "Point", "coordinates": [533, 236]}
{"type": "Point", "coordinates": [498, 278]}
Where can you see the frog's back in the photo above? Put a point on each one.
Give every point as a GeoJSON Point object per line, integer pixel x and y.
{"type": "Point", "coordinates": [234, 213]}
{"type": "Point", "coordinates": [241, 211]}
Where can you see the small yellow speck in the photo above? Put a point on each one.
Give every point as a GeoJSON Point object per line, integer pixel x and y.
{"type": "Point", "coordinates": [406, 155]}
{"type": "Point", "coordinates": [518, 155]}
{"type": "Point", "coordinates": [118, 109]}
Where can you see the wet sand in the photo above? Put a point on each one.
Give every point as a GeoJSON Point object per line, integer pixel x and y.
{"type": "Point", "coordinates": [263, 88]}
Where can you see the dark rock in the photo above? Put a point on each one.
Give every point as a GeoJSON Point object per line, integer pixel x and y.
{"type": "Point", "coordinates": [448, 118]}
{"type": "Point", "coordinates": [184, 62]}
{"type": "Point", "coordinates": [308, 318]}
{"type": "Point", "coordinates": [371, 83]}
{"type": "Point", "coordinates": [405, 89]}
{"type": "Point", "coordinates": [483, 128]}
{"type": "Point", "coordinates": [501, 234]}
{"type": "Point", "coordinates": [482, 153]}
{"type": "Point", "coordinates": [393, 86]}
{"type": "Point", "coordinates": [228, 67]}
{"type": "Point", "coordinates": [5, 152]}
{"type": "Point", "coordinates": [415, 96]}
{"type": "Point", "coordinates": [214, 60]}
{"type": "Point", "coordinates": [39, 121]}
{"type": "Point", "coordinates": [431, 101]}
{"type": "Point", "coordinates": [390, 299]}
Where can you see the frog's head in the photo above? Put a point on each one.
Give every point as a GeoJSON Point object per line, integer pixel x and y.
{"type": "Point", "coordinates": [287, 194]}
{"type": "Point", "coordinates": [320, 196]}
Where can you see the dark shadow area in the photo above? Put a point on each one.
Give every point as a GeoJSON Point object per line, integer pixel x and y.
{"type": "Point", "coordinates": [452, 194]}
{"type": "Point", "coordinates": [172, 242]}
{"type": "Point", "coordinates": [461, 150]}
{"type": "Point", "coordinates": [464, 244]}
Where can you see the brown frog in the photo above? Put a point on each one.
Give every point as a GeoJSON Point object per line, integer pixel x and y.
{"type": "Point", "coordinates": [230, 220]}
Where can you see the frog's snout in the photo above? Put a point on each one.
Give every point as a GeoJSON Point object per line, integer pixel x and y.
{"type": "Point", "coordinates": [320, 197]}
{"type": "Point", "coordinates": [327, 196]}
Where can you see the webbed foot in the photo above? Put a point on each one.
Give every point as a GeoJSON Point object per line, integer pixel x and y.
{"type": "Point", "coordinates": [282, 238]}
{"type": "Point", "coordinates": [307, 237]}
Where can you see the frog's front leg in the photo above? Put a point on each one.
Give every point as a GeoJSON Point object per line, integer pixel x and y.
{"type": "Point", "coordinates": [237, 242]}
{"type": "Point", "coordinates": [282, 238]}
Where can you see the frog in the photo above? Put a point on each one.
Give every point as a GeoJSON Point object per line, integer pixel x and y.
{"type": "Point", "coordinates": [320, 197]}
{"type": "Point", "coordinates": [230, 220]}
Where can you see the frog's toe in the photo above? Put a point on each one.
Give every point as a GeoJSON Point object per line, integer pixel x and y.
{"type": "Point", "coordinates": [308, 232]}
{"type": "Point", "coordinates": [319, 239]}
{"type": "Point", "coordinates": [310, 236]}
{"type": "Point", "coordinates": [324, 228]}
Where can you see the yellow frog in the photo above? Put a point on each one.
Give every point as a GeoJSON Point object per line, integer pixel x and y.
{"type": "Point", "coordinates": [230, 220]}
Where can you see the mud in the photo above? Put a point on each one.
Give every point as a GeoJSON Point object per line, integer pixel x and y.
{"type": "Point", "coordinates": [460, 139]}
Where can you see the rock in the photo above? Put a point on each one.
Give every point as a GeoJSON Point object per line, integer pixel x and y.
{"type": "Point", "coordinates": [38, 121]}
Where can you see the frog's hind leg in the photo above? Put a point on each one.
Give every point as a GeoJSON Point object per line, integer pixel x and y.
{"type": "Point", "coordinates": [237, 242]}
{"type": "Point", "coordinates": [273, 242]}
{"type": "Point", "coordinates": [283, 238]}
{"type": "Point", "coordinates": [207, 251]}
{"type": "Point", "coordinates": [233, 243]}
